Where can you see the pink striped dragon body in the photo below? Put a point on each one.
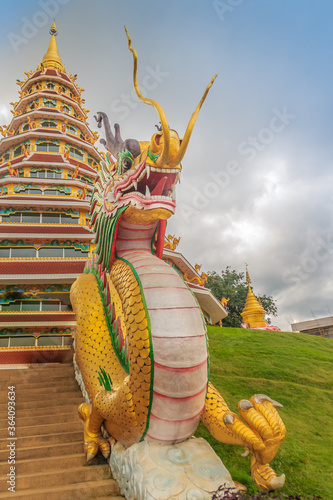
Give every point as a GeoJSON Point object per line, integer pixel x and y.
{"type": "Point", "coordinates": [140, 343]}
{"type": "Point", "coordinates": [178, 338]}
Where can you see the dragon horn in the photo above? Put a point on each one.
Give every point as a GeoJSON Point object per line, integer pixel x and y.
{"type": "Point", "coordinates": [164, 158]}
{"type": "Point", "coordinates": [182, 150]}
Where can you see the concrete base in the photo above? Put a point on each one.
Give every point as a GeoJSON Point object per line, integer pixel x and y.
{"type": "Point", "coordinates": [186, 471]}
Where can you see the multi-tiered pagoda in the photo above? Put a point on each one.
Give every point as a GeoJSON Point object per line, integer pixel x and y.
{"type": "Point", "coordinates": [47, 168]}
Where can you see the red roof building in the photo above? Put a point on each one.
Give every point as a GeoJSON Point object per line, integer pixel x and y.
{"type": "Point", "coordinates": [48, 164]}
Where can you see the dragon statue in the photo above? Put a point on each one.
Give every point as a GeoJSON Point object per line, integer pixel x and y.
{"type": "Point", "coordinates": [140, 344]}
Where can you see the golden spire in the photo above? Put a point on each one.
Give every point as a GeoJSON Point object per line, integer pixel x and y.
{"type": "Point", "coordinates": [52, 59]}
{"type": "Point", "coordinates": [253, 312]}
{"type": "Point", "coordinates": [248, 279]}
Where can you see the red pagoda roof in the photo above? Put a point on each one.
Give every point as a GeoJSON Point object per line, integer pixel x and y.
{"type": "Point", "coordinates": [51, 72]}
{"type": "Point", "coordinates": [50, 158]}
{"type": "Point", "coordinates": [53, 266]}
{"type": "Point", "coordinates": [45, 316]}
{"type": "Point", "coordinates": [16, 160]}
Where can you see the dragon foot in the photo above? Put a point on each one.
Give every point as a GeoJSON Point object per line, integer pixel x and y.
{"type": "Point", "coordinates": [265, 477]}
{"type": "Point", "coordinates": [263, 436]}
{"type": "Point", "coordinates": [93, 439]}
{"type": "Point", "coordinates": [260, 430]}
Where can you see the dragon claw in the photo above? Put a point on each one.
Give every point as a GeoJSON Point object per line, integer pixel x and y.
{"type": "Point", "coordinates": [245, 405]}
{"type": "Point", "coordinates": [228, 419]}
{"type": "Point", "coordinates": [90, 456]}
{"type": "Point", "coordinates": [277, 482]}
{"type": "Point", "coordinates": [260, 398]}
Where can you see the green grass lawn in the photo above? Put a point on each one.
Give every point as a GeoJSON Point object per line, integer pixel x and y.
{"type": "Point", "coordinates": [295, 369]}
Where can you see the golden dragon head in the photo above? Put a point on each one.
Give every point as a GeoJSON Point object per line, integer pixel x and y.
{"type": "Point", "coordinates": [143, 175]}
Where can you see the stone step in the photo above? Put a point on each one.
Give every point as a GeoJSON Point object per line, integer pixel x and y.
{"type": "Point", "coordinates": [60, 477]}
{"type": "Point", "coordinates": [45, 439]}
{"type": "Point", "coordinates": [57, 450]}
{"type": "Point", "coordinates": [34, 376]}
{"type": "Point", "coordinates": [68, 381]}
{"type": "Point", "coordinates": [81, 491]}
{"type": "Point", "coordinates": [45, 479]}
{"type": "Point", "coordinates": [24, 393]}
{"type": "Point", "coordinates": [39, 430]}
{"type": "Point", "coordinates": [59, 400]}
{"type": "Point", "coordinates": [32, 419]}
{"type": "Point", "coordinates": [37, 369]}
{"type": "Point", "coordinates": [51, 463]}
{"type": "Point", "coordinates": [51, 409]}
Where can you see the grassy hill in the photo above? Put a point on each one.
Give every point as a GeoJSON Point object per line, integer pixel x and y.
{"type": "Point", "coordinates": [295, 369]}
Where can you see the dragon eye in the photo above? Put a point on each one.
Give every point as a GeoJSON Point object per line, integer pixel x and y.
{"type": "Point", "coordinates": [126, 164]}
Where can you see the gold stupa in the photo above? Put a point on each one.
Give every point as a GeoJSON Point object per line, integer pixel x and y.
{"type": "Point", "coordinates": [52, 59]}
{"type": "Point", "coordinates": [253, 313]}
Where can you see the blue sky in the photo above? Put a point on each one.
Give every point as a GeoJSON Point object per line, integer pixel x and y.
{"type": "Point", "coordinates": [257, 177]}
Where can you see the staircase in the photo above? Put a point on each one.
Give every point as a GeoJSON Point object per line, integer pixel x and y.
{"type": "Point", "coordinates": [49, 459]}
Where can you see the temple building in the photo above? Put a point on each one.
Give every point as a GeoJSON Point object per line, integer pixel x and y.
{"type": "Point", "coordinates": [48, 163]}
{"type": "Point", "coordinates": [322, 327]}
{"type": "Point", "coordinates": [253, 313]}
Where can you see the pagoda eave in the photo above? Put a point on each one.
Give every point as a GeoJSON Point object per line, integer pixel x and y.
{"type": "Point", "coordinates": [45, 181]}
{"type": "Point", "coordinates": [180, 262]}
{"type": "Point", "coordinates": [17, 229]}
{"type": "Point", "coordinates": [56, 76]}
{"type": "Point", "coordinates": [38, 158]}
{"type": "Point", "coordinates": [47, 113]}
{"type": "Point", "coordinates": [47, 237]}
{"type": "Point", "coordinates": [33, 279]}
{"type": "Point", "coordinates": [32, 200]}
{"type": "Point", "coordinates": [13, 140]}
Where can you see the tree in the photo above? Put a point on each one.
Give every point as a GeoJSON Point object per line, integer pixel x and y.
{"type": "Point", "coordinates": [233, 286]}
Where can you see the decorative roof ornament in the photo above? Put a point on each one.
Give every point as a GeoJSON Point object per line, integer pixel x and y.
{"type": "Point", "coordinates": [53, 29]}
{"type": "Point", "coordinates": [51, 59]}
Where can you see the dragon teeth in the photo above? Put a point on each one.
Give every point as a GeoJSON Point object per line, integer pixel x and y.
{"type": "Point", "coordinates": [148, 171]}
{"type": "Point", "coordinates": [147, 192]}
{"type": "Point", "coordinates": [135, 184]}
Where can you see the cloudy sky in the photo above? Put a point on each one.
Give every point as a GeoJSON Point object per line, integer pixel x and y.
{"type": "Point", "coordinates": [257, 178]}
